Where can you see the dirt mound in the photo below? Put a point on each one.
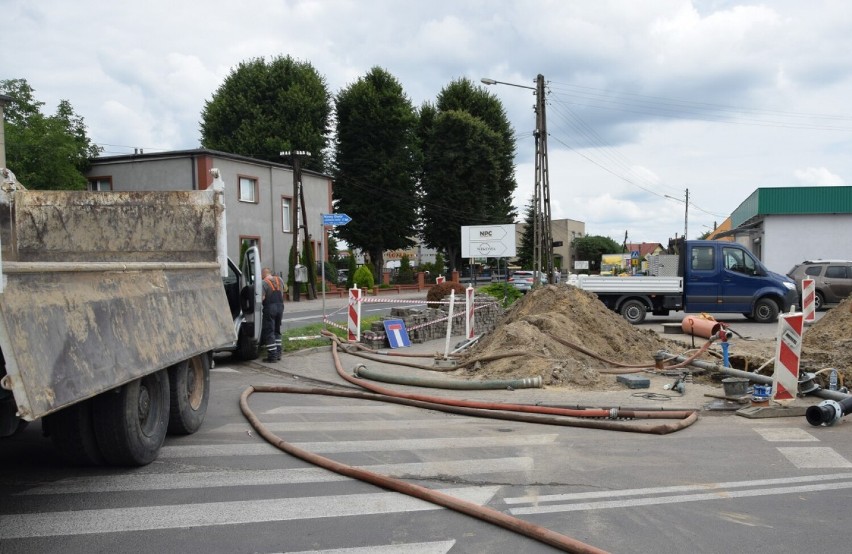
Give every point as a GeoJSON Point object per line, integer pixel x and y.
{"type": "Point", "coordinates": [828, 342]}
{"type": "Point", "coordinates": [570, 314]}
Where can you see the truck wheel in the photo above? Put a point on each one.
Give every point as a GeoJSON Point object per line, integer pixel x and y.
{"type": "Point", "coordinates": [189, 383]}
{"type": "Point", "coordinates": [73, 434]}
{"type": "Point", "coordinates": [131, 421]}
{"type": "Point", "coordinates": [246, 347]}
{"type": "Point", "coordinates": [633, 311]}
{"type": "Point", "coordinates": [765, 311]}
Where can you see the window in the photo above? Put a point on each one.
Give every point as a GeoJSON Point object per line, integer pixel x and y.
{"type": "Point", "coordinates": [100, 184]}
{"type": "Point", "coordinates": [836, 272]}
{"type": "Point", "coordinates": [286, 214]}
{"type": "Point", "coordinates": [248, 189]}
{"type": "Point", "coordinates": [814, 270]}
{"type": "Point", "coordinates": [739, 261]}
{"type": "Point", "coordinates": [703, 258]}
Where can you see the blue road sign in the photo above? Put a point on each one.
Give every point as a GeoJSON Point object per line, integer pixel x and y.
{"type": "Point", "coordinates": [397, 335]}
{"type": "Point", "coordinates": [335, 219]}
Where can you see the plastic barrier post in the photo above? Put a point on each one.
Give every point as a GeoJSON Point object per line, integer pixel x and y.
{"type": "Point", "coordinates": [785, 380]}
{"type": "Point", "coordinates": [468, 324]}
{"type": "Point", "coordinates": [808, 295]}
{"type": "Point", "coordinates": [355, 314]}
{"type": "Point", "coordinates": [450, 324]}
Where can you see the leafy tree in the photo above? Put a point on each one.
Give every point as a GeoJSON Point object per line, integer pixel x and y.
{"type": "Point", "coordinates": [592, 247]}
{"type": "Point", "coordinates": [468, 165]}
{"type": "Point", "coordinates": [364, 278]}
{"type": "Point", "coordinates": [45, 152]}
{"type": "Point", "coordinates": [461, 170]}
{"type": "Point", "coordinates": [265, 108]}
{"type": "Point", "coordinates": [526, 252]}
{"type": "Point", "coordinates": [376, 162]}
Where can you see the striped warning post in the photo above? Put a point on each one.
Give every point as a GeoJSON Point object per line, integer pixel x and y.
{"type": "Point", "coordinates": [808, 296]}
{"type": "Point", "coordinates": [469, 307]}
{"type": "Point", "coordinates": [355, 314]}
{"type": "Point", "coordinates": [785, 379]}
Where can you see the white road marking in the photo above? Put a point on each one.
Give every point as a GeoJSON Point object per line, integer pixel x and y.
{"type": "Point", "coordinates": [814, 457]}
{"type": "Point", "coordinates": [441, 547]}
{"type": "Point", "coordinates": [262, 448]}
{"type": "Point", "coordinates": [119, 520]}
{"type": "Point", "coordinates": [658, 500]}
{"type": "Point", "coordinates": [785, 434]}
{"type": "Point", "coordinates": [224, 370]}
{"type": "Point", "coordinates": [208, 479]}
{"type": "Point", "coordinates": [533, 499]}
{"type": "Point", "coordinates": [361, 425]}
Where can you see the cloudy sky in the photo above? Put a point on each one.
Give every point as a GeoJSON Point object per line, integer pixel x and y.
{"type": "Point", "coordinates": [645, 98]}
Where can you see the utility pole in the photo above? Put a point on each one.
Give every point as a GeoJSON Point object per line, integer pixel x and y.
{"type": "Point", "coordinates": [544, 238]}
{"type": "Point", "coordinates": [685, 214]}
{"type": "Point", "coordinates": [299, 201]}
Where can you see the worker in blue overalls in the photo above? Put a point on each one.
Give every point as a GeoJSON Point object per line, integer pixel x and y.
{"type": "Point", "coordinates": [273, 310]}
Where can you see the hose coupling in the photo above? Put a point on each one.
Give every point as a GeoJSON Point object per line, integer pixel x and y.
{"type": "Point", "coordinates": [613, 413]}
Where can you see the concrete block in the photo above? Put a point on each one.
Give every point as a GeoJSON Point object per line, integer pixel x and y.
{"type": "Point", "coordinates": [634, 381]}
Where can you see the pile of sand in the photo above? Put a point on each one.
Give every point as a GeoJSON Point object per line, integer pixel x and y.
{"type": "Point", "coordinates": [828, 342]}
{"type": "Point", "coordinates": [570, 314]}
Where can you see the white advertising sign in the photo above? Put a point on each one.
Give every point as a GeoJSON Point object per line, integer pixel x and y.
{"type": "Point", "coordinates": [488, 241]}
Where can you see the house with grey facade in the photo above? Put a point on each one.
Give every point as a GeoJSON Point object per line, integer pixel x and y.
{"type": "Point", "coordinates": [259, 196]}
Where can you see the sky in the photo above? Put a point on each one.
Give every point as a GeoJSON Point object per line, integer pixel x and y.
{"type": "Point", "coordinates": [645, 99]}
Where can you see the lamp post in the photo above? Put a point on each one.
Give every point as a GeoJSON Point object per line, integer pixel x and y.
{"type": "Point", "coordinates": [542, 233]}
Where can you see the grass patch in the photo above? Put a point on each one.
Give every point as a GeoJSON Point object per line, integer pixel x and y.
{"type": "Point", "coordinates": [313, 330]}
{"type": "Point", "coordinates": [503, 292]}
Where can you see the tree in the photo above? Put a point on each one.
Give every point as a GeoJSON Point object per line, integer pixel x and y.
{"type": "Point", "coordinates": [468, 165]}
{"type": "Point", "coordinates": [45, 152]}
{"type": "Point", "coordinates": [592, 247]}
{"type": "Point", "coordinates": [265, 108]}
{"type": "Point", "coordinates": [376, 160]}
{"type": "Point", "coordinates": [406, 272]}
{"type": "Point", "coordinates": [526, 252]}
{"type": "Point", "coordinates": [460, 172]}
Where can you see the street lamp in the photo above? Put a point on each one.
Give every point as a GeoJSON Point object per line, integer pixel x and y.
{"type": "Point", "coordinates": [542, 237]}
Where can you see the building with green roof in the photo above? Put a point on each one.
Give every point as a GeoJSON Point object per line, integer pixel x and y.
{"type": "Point", "coordinates": [787, 225]}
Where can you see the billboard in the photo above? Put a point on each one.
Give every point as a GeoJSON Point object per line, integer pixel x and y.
{"type": "Point", "coordinates": [488, 241]}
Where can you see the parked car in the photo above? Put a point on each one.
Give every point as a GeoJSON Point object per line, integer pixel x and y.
{"type": "Point", "coordinates": [523, 280]}
{"type": "Point", "coordinates": [832, 280]}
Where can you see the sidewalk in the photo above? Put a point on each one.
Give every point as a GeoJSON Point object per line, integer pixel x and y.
{"type": "Point", "coordinates": [334, 302]}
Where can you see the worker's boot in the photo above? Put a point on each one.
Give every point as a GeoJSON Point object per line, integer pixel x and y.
{"type": "Point", "coordinates": [278, 353]}
{"type": "Point", "coordinates": [271, 355]}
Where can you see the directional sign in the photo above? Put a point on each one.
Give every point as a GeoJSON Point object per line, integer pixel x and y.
{"type": "Point", "coordinates": [335, 219]}
{"type": "Point", "coordinates": [493, 241]}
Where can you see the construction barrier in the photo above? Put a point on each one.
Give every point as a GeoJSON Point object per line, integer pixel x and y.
{"type": "Point", "coordinates": [808, 296]}
{"type": "Point", "coordinates": [355, 314]}
{"type": "Point", "coordinates": [785, 379]}
{"type": "Point", "coordinates": [469, 310]}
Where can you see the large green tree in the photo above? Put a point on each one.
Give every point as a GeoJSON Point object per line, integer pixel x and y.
{"type": "Point", "coordinates": [45, 151]}
{"type": "Point", "coordinates": [468, 173]}
{"type": "Point", "coordinates": [265, 108]}
{"type": "Point", "coordinates": [591, 247]}
{"type": "Point", "coordinates": [375, 165]}
{"type": "Point", "coordinates": [526, 250]}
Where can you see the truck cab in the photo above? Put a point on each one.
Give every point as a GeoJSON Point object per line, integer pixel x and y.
{"type": "Point", "coordinates": [726, 277]}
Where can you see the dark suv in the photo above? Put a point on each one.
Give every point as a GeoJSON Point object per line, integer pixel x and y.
{"type": "Point", "coordinates": [832, 279]}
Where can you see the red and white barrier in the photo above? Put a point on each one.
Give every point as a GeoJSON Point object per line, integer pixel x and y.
{"type": "Point", "coordinates": [808, 296]}
{"type": "Point", "coordinates": [440, 279]}
{"type": "Point", "coordinates": [785, 379]}
{"type": "Point", "coordinates": [355, 314]}
{"type": "Point", "coordinates": [469, 307]}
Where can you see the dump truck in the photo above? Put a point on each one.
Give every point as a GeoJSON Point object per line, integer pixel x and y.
{"type": "Point", "coordinates": [111, 304]}
{"type": "Point", "coordinates": [713, 276]}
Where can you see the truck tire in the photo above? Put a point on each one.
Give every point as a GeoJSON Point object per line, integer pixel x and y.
{"type": "Point", "coordinates": [131, 421]}
{"type": "Point", "coordinates": [765, 311]}
{"type": "Point", "coordinates": [246, 347]}
{"type": "Point", "coordinates": [72, 433]}
{"type": "Point", "coordinates": [634, 311]}
{"type": "Point", "coordinates": [189, 386]}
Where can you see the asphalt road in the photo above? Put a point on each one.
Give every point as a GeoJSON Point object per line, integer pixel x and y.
{"type": "Point", "coordinates": [725, 484]}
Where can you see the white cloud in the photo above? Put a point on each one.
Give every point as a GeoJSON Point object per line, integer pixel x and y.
{"type": "Point", "coordinates": [818, 176]}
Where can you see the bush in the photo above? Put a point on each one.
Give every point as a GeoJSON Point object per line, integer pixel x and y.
{"type": "Point", "coordinates": [503, 292]}
{"type": "Point", "coordinates": [363, 278]}
{"type": "Point", "coordinates": [439, 292]}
